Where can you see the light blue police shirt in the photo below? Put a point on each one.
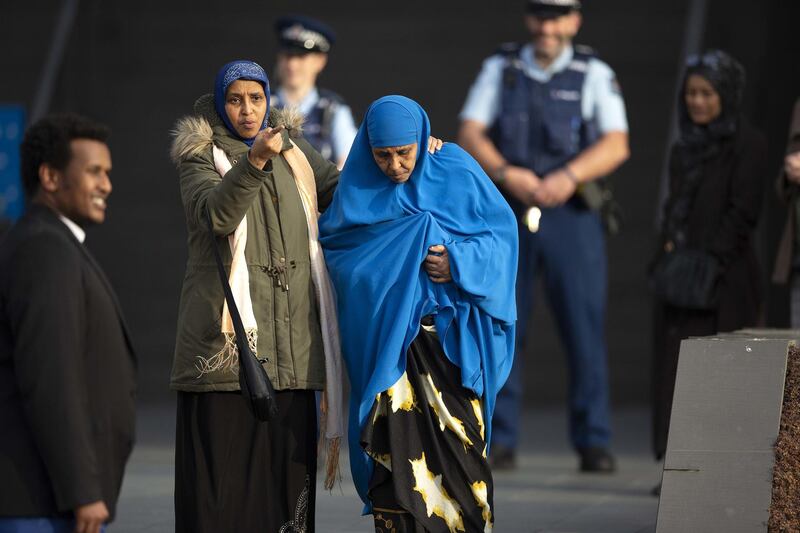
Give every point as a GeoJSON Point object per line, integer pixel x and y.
{"type": "Point", "coordinates": [343, 127]}
{"type": "Point", "coordinates": [602, 99]}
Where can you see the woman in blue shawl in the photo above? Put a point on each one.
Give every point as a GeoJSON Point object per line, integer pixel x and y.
{"type": "Point", "coordinates": [422, 250]}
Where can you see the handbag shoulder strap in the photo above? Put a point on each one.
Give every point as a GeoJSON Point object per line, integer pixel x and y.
{"type": "Point", "coordinates": [680, 208]}
{"type": "Point", "coordinates": [238, 326]}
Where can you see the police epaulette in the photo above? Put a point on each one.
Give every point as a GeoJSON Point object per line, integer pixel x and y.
{"type": "Point", "coordinates": [585, 50]}
{"type": "Point", "coordinates": [330, 95]}
{"type": "Point", "coordinates": [508, 49]}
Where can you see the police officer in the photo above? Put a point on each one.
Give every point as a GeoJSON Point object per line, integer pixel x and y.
{"type": "Point", "coordinates": [304, 44]}
{"type": "Point", "coordinates": [546, 119]}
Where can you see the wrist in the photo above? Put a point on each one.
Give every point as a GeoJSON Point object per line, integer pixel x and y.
{"type": "Point", "coordinates": [499, 174]}
{"type": "Point", "coordinates": [571, 175]}
{"type": "Point", "coordinates": [259, 162]}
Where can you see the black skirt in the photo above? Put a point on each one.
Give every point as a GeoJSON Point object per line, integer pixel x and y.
{"type": "Point", "coordinates": [234, 473]}
{"type": "Point", "coordinates": [426, 435]}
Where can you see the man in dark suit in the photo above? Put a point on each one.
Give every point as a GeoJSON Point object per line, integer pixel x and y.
{"type": "Point", "coordinates": [67, 367]}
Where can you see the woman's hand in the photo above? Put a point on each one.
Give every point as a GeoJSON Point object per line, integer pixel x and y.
{"type": "Point", "coordinates": [437, 264]}
{"type": "Point", "coordinates": [267, 144]}
{"type": "Point", "coordinates": [434, 145]}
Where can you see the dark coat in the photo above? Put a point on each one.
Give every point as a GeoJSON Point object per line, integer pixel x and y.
{"type": "Point", "coordinates": [723, 219]}
{"type": "Point", "coordinates": [67, 374]}
{"type": "Point", "coordinates": [788, 192]}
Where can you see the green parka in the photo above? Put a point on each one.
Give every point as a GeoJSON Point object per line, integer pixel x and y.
{"type": "Point", "coordinates": [289, 333]}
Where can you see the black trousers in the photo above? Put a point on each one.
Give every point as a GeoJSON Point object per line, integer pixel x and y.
{"type": "Point", "coordinates": [234, 473]}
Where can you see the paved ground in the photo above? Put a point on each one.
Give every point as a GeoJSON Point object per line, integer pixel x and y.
{"type": "Point", "coordinates": [544, 495]}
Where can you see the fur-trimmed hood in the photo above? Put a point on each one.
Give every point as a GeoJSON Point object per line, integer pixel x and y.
{"type": "Point", "coordinates": [194, 134]}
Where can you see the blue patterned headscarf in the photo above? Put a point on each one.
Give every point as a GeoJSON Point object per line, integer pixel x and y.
{"type": "Point", "coordinates": [238, 70]}
{"type": "Point", "coordinates": [376, 234]}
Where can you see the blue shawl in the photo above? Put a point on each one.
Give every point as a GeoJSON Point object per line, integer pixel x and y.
{"type": "Point", "coordinates": [238, 70]}
{"type": "Point", "coordinates": [376, 235]}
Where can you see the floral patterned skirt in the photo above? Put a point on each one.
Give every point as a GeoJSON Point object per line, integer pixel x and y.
{"type": "Point", "coordinates": [427, 437]}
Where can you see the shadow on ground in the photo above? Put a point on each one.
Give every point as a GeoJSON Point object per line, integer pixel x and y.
{"type": "Point", "coordinates": [545, 494]}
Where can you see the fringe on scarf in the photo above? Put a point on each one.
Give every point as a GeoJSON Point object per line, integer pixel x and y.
{"type": "Point", "coordinates": [329, 447]}
{"type": "Point", "coordinates": [228, 357]}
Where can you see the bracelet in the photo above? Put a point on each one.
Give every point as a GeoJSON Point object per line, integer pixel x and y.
{"type": "Point", "coordinates": [500, 174]}
{"type": "Point", "coordinates": [571, 175]}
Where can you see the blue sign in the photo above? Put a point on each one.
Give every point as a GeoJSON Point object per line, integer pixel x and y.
{"type": "Point", "coordinates": [12, 127]}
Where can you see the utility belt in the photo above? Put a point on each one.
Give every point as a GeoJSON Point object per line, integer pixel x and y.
{"type": "Point", "coordinates": [597, 196]}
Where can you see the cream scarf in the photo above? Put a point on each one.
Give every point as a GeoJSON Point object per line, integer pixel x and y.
{"type": "Point", "coordinates": [331, 408]}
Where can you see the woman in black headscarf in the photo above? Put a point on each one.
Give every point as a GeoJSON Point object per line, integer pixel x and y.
{"type": "Point", "coordinates": [705, 274]}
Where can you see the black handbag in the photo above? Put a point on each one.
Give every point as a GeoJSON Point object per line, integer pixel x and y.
{"type": "Point", "coordinates": [256, 387]}
{"type": "Point", "coordinates": [686, 278]}
{"type": "Point", "coordinates": [681, 276]}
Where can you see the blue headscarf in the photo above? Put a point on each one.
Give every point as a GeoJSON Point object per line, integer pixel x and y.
{"type": "Point", "coordinates": [376, 235]}
{"type": "Point", "coordinates": [238, 70]}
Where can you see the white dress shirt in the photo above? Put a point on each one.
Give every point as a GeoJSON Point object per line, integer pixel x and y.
{"type": "Point", "coordinates": [74, 228]}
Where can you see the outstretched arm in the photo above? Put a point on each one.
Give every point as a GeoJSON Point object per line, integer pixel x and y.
{"type": "Point", "coordinates": [227, 198]}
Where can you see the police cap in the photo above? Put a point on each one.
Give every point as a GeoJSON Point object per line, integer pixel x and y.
{"type": "Point", "coordinates": [299, 34]}
{"type": "Point", "coordinates": [552, 8]}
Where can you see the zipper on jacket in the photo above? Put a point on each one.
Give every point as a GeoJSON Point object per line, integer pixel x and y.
{"type": "Point", "coordinates": [283, 271]}
{"type": "Point", "coordinates": [267, 270]}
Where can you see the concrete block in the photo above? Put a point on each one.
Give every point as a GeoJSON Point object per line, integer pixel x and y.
{"type": "Point", "coordinates": [725, 419]}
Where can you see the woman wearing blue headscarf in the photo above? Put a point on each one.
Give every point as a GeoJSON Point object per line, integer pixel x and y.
{"type": "Point", "coordinates": [262, 189]}
{"type": "Point", "coordinates": [422, 251]}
